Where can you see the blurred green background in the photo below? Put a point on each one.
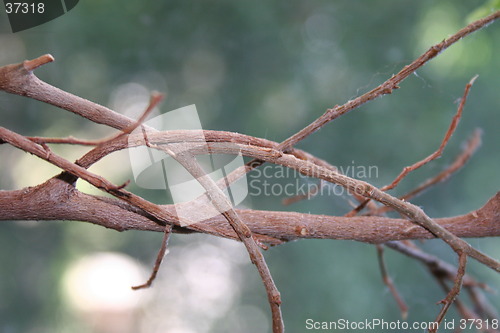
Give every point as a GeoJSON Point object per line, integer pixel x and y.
{"type": "Point", "coordinates": [265, 69]}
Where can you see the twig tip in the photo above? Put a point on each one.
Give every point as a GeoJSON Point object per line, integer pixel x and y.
{"type": "Point", "coordinates": [142, 286]}
{"type": "Point", "coordinates": [471, 82]}
{"type": "Point", "coordinates": [33, 64]}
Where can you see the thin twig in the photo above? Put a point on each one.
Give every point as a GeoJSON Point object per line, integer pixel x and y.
{"type": "Point", "coordinates": [439, 151]}
{"type": "Point", "coordinates": [19, 79]}
{"type": "Point", "coordinates": [44, 153]}
{"type": "Point", "coordinates": [469, 149]}
{"type": "Point", "coordinates": [472, 145]}
{"type": "Point", "coordinates": [155, 99]}
{"type": "Point", "coordinates": [159, 259]}
{"type": "Point", "coordinates": [454, 291]}
{"type": "Point", "coordinates": [434, 264]}
{"type": "Point", "coordinates": [224, 206]}
{"type": "Point", "coordinates": [431, 157]}
{"type": "Point", "coordinates": [388, 86]}
{"type": "Point", "coordinates": [443, 271]}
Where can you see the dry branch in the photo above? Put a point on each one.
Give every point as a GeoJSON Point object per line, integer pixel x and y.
{"type": "Point", "coordinates": [443, 272]}
{"type": "Point", "coordinates": [224, 206]}
{"type": "Point", "coordinates": [388, 86]}
{"type": "Point", "coordinates": [159, 258]}
{"type": "Point", "coordinates": [57, 198]}
{"type": "Point", "coordinates": [470, 147]}
{"type": "Point", "coordinates": [431, 157]}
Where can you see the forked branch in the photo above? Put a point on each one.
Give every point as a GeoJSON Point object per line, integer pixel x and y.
{"type": "Point", "coordinates": [252, 227]}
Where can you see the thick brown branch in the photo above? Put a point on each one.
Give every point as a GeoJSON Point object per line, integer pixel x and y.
{"type": "Point", "coordinates": [307, 168]}
{"type": "Point", "coordinates": [57, 200]}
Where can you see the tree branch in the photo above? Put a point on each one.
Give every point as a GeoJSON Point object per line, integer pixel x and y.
{"type": "Point", "coordinates": [57, 198]}
{"type": "Point", "coordinates": [388, 86]}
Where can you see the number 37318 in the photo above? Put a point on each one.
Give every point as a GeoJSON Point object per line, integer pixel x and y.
{"type": "Point", "coordinates": [24, 8]}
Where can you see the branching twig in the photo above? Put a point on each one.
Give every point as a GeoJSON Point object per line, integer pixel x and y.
{"type": "Point", "coordinates": [470, 148]}
{"type": "Point", "coordinates": [472, 144]}
{"type": "Point", "coordinates": [385, 88]}
{"type": "Point", "coordinates": [439, 151]}
{"type": "Point", "coordinates": [155, 99]}
{"type": "Point", "coordinates": [431, 157]}
{"type": "Point", "coordinates": [444, 271]}
{"type": "Point", "coordinates": [25, 144]}
{"type": "Point", "coordinates": [251, 227]}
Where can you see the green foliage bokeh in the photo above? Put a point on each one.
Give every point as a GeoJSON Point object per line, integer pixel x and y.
{"type": "Point", "coordinates": [266, 69]}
